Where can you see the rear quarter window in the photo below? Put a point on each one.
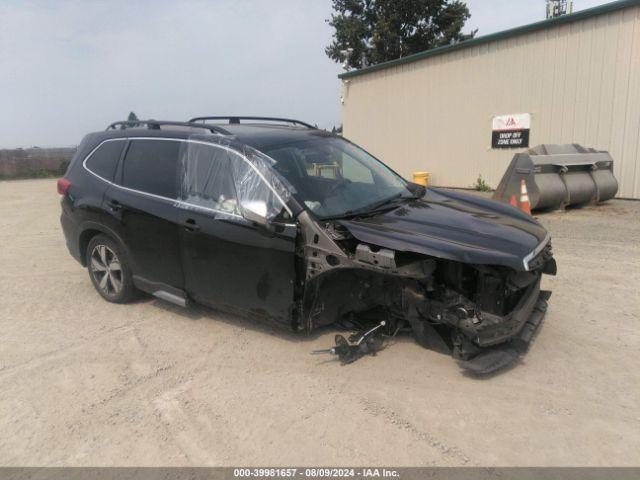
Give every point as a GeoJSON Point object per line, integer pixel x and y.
{"type": "Point", "coordinates": [104, 159]}
{"type": "Point", "coordinates": [151, 166]}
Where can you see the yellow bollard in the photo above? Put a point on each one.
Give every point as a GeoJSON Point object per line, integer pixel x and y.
{"type": "Point", "coordinates": [421, 178]}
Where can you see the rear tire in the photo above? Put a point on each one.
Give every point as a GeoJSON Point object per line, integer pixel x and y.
{"type": "Point", "coordinates": [109, 270]}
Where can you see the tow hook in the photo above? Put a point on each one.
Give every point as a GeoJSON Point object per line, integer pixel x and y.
{"type": "Point", "coordinates": [358, 345]}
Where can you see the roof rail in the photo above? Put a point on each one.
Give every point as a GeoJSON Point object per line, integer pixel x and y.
{"type": "Point", "coordinates": [236, 120]}
{"type": "Point", "coordinates": [156, 124]}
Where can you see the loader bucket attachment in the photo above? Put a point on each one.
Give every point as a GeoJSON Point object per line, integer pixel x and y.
{"type": "Point", "coordinates": [558, 176]}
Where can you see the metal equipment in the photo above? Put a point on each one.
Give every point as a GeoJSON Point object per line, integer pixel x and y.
{"type": "Point", "coordinates": [358, 345]}
{"type": "Point", "coordinates": [557, 176]}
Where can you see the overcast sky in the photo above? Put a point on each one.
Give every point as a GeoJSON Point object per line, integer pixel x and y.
{"type": "Point", "coordinates": [71, 67]}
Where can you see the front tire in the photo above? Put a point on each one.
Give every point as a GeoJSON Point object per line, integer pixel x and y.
{"type": "Point", "coordinates": [109, 270]}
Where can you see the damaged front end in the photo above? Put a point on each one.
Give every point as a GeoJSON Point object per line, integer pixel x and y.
{"type": "Point", "coordinates": [484, 315]}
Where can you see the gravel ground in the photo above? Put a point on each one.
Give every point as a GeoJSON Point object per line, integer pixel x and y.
{"type": "Point", "coordinates": [85, 382]}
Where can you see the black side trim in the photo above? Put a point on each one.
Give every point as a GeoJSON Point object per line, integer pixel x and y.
{"type": "Point", "coordinates": [156, 288]}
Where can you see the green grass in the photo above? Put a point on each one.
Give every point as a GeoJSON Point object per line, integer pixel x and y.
{"type": "Point", "coordinates": [481, 185]}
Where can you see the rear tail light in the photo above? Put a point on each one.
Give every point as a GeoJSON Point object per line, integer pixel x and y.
{"type": "Point", "coordinates": [63, 186]}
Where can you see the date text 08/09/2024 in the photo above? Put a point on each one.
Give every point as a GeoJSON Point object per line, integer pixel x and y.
{"type": "Point", "coordinates": [315, 472]}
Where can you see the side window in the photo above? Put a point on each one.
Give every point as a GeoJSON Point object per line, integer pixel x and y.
{"type": "Point", "coordinates": [151, 166]}
{"type": "Point", "coordinates": [206, 178]}
{"type": "Point", "coordinates": [252, 189]}
{"type": "Point", "coordinates": [104, 160]}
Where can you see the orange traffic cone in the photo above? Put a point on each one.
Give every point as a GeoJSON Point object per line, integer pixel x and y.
{"type": "Point", "coordinates": [525, 205]}
{"type": "Point", "coordinates": [513, 202]}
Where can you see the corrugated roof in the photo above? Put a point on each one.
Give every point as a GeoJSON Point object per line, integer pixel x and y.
{"type": "Point", "coordinates": [532, 27]}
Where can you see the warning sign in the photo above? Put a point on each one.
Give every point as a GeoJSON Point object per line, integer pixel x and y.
{"type": "Point", "coordinates": [511, 131]}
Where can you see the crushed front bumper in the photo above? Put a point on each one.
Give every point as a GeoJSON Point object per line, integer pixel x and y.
{"type": "Point", "coordinates": [504, 341]}
{"type": "Point", "coordinates": [528, 318]}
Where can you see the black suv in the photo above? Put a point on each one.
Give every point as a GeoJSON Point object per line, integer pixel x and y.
{"type": "Point", "coordinates": [286, 223]}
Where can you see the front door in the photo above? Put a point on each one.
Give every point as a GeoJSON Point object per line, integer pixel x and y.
{"type": "Point", "coordinates": [228, 261]}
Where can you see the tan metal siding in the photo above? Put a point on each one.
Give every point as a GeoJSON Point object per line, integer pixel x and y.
{"type": "Point", "coordinates": [580, 81]}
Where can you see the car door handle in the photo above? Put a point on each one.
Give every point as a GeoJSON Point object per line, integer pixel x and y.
{"type": "Point", "coordinates": [114, 205]}
{"type": "Point", "coordinates": [191, 225]}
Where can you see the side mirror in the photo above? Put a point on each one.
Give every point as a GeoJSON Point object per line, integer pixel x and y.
{"type": "Point", "coordinates": [417, 189]}
{"type": "Point", "coordinates": [255, 211]}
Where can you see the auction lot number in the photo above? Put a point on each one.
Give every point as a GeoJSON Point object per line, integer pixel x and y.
{"type": "Point", "coordinates": [313, 472]}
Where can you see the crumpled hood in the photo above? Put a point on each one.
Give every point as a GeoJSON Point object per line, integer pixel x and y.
{"type": "Point", "coordinates": [454, 226]}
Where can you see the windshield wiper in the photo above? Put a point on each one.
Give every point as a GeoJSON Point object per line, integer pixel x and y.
{"type": "Point", "coordinates": [381, 203]}
{"type": "Point", "coordinates": [377, 207]}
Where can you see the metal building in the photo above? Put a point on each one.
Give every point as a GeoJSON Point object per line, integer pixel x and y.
{"type": "Point", "coordinates": [464, 110]}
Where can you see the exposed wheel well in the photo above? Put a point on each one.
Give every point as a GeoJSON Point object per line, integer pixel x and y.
{"type": "Point", "coordinates": [85, 238]}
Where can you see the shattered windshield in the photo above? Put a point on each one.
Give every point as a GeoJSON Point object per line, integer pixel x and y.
{"type": "Point", "coordinates": [334, 177]}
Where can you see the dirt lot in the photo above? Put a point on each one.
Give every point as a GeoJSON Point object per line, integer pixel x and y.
{"type": "Point", "coordinates": [85, 382]}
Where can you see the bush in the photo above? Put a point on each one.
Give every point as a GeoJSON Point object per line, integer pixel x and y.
{"type": "Point", "coordinates": [38, 173]}
{"type": "Point", "coordinates": [481, 185]}
{"type": "Point", "coordinates": [34, 162]}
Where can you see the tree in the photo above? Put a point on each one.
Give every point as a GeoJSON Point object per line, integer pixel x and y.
{"type": "Point", "coordinates": [133, 118]}
{"type": "Point", "coordinates": [381, 30]}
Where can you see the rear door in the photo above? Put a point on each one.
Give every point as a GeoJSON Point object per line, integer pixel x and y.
{"type": "Point", "coordinates": [229, 261]}
{"type": "Point", "coordinates": [142, 210]}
